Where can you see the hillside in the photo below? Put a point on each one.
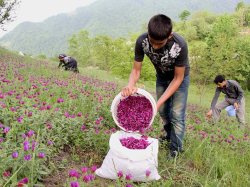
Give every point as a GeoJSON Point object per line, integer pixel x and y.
{"type": "Point", "coordinates": [109, 17]}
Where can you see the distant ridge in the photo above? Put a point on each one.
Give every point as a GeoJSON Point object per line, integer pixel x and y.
{"type": "Point", "coordinates": [115, 18]}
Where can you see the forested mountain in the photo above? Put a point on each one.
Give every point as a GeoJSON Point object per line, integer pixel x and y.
{"type": "Point", "coordinates": [116, 18]}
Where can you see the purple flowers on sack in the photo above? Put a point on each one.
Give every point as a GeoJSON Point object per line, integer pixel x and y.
{"type": "Point", "coordinates": [133, 143]}
{"type": "Point", "coordinates": [134, 113]}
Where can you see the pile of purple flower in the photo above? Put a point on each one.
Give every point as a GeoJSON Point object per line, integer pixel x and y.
{"type": "Point", "coordinates": [133, 143]}
{"type": "Point", "coordinates": [134, 113]}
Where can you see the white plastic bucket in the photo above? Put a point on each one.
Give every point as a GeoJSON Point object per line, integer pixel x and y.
{"type": "Point", "coordinates": [119, 97]}
{"type": "Point", "coordinates": [231, 110]}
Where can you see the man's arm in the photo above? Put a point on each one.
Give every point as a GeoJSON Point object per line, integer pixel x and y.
{"type": "Point", "coordinates": [173, 86]}
{"type": "Point", "coordinates": [60, 63]}
{"type": "Point", "coordinates": [215, 98]}
{"type": "Point", "coordinates": [214, 101]}
{"type": "Point", "coordinates": [133, 78]}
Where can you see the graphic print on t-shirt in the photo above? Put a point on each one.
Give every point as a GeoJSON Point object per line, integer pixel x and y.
{"type": "Point", "coordinates": [163, 60]}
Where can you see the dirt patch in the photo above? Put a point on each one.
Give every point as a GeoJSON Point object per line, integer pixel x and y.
{"type": "Point", "coordinates": [66, 160]}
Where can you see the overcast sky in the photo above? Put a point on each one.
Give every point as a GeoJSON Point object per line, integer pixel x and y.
{"type": "Point", "coordinates": [39, 10]}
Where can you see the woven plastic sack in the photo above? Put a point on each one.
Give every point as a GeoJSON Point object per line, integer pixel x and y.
{"type": "Point", "coordinates": [130, 161]}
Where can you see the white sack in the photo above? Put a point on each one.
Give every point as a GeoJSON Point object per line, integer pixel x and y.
{"type": "Point", "coordinates": [130, 161]}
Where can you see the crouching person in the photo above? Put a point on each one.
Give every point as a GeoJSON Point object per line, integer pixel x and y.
{"type": "Point", "coordinates": [234, 95]}
{"type": "Point", "coordinates": [68, 62]}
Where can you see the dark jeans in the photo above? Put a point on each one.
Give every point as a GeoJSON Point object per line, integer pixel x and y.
{"type": "Point", "coordinates": [173, 112]}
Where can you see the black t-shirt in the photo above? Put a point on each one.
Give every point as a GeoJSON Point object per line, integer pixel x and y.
{"type": "Point", "coordinates": [174, 53]}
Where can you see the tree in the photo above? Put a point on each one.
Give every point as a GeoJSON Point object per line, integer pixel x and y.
{"type": "Point", "coordinates": [7, 8]}
{"type": "Point", "coordinates": [184, 15]}
{"type": "Point", "coordinates": [242, 14]}
{"type": "Point", "coordinates": [81, 47]}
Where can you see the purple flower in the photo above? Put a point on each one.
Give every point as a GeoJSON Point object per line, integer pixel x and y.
{"type": "Point", "coordinates": [93, 168]}
{"type": "Point", "coordinates": [120, 174]}
{"type": "Point", "coordinates": [6, 130]}
{"type": "Point", "coordinates": [129, 185]}
{"type": "Point", "coordinates": [24, 180]}
{"type": "Point", "coordinates": [74, 184]}
{"type": "Point", "coordinates": [148, 172]}
{"type": "Point", "coordinates": [83, 128]}
{"type": "Point", "coordinates": [20, 119]}
{"type": "Point", "coordinates": [1, 140]}
{"type": "Point", "coordinates": [50, 142]}
{"type": "Point", "coordinates": [34, 144]}
{"type": "Point", "coordinates": [23, 136]}
{"type": "Point", "coordinates": [128, 177]}
{"type": "Point", "coordinates": [26, 146]}
{"type": "Point", "coordinates": [29, 114]}
{"type": "Point", "coordinates": [41, 155]}
{"type": "Point", "coordinates": [74, 173]}
{"type": "Point", "coordinates": [6, 173]}
{"type": "Point", "coordinates": [79, 114]}
{"type": "Point", "coordinates": [30, 133]}
{"type": "Point", "coordinates": [27, 157]}
{"type": "Point", "coordinates": [15, 154]}
{"type": "Point", "coordinates": [84, 169]}
{"type": "Point", "coordinates": [66, 114]}
{"type": "Point", "coordinates": [92, 177]}
{"type": "Point", "coordinates": [86, 178]}
{"type": "Point", "coordinates": [60, 100]}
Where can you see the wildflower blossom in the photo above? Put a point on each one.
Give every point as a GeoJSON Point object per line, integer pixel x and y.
{"type": "Point", "coordinates": [93, 168]}
{"type": "Point", "coordinates": [148, 172]}
{"type": "Point", "coordinates": [74, 184]}
{"type": "Point", "coordinates": [15, 154]}
{"type": "Point", "coordinates": [120, 174]}
{"type": "Point", "coordinates": [27, 157]}
{"type": "Point", "coordinates": [41, 155]}
{"type": "Point", "coordinates": [26, 146]}
{"type": "Point", "coordinates": [128, 177]}
{"type": "Point", "coordinates": [84, 169]}
{"type": "Point", "coordinates": [74, 173]}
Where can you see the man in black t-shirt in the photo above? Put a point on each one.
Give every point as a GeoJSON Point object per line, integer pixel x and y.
{"type": "Point", "coordinates": [168, 53]}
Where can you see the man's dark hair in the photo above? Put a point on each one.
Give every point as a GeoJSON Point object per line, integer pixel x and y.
{"type": "Point", "coordinates": [219, 79]}
{"type": "Point", "coordinates": [159, 27]}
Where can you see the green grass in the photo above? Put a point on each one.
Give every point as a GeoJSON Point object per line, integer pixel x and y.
{"type": "Point", "coordinates": [215, 155]}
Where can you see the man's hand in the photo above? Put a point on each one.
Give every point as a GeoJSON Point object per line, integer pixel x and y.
{"type": "Point", "coordinates": [209, 114]}
{"type": "Point", "coordinates": [128, 90]}
{"type": "Point", "coordinates": [236, 106]}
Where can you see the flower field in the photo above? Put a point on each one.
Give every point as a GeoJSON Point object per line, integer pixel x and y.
{"type": "Point", "coordinates": [55, 128]}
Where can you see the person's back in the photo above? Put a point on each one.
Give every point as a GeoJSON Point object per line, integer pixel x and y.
{"type": "Point", "coordinates": [69, 63]}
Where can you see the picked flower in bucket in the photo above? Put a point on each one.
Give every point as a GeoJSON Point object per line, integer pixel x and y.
{"type": "Point", "coordinates": [134, 113]}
